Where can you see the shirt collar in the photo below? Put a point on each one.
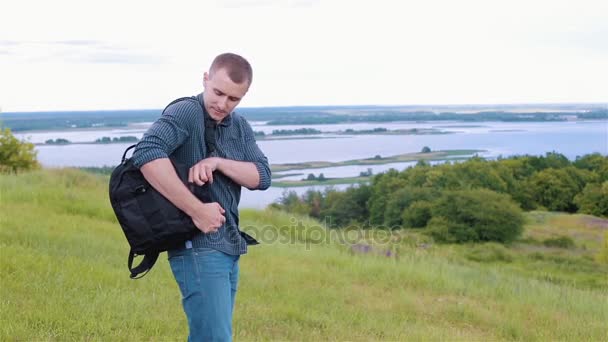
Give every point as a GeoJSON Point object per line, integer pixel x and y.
{"type": "Point", "coordinates": [226, 122]}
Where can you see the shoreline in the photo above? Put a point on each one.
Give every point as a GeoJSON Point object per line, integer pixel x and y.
{"type": "Point", "coordinates": [399, 158]}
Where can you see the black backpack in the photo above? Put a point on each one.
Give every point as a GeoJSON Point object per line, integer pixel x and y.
{"type": "Point", "coordinates": [150, 222]}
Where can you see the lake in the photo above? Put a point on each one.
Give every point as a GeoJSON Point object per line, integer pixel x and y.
{"type": "Point", "coordinates": [571, 138]}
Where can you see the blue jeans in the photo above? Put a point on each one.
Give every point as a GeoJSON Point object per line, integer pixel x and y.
{"type": "Point", "coordinates": [208, 280]}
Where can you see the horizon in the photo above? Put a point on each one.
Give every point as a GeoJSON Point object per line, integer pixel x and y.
{"type": "Point", "coordinates": [412, 106]}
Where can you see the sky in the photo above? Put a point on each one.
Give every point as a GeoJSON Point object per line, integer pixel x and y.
{"type": "Point", "coordinates": [103, 55]}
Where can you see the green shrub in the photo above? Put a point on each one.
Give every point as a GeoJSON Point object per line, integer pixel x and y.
{"type": "Point", "coordinates": [401, 199]}
{"type": "Point", "coordinates": [477, 215]}
{"type": "Point", "coordinates": [417, 215]}
{"type": "Point", "coordinates": [442, 230]}
{"type": "Point", "coordinates": [16, 155]}
{"type": "Point", "coordinates": [560, 242]}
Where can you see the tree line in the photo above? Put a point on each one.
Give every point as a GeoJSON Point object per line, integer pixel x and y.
{"type": "Point", "coordinates": [396, 115]}
{"type": "Point", "coordinates": [475, 200]}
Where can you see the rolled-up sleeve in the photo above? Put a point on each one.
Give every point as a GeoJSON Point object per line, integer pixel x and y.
{"type": "Point", "coordinates": [254, 154]}
{"type": "Point", "coordinates": [165, 135]}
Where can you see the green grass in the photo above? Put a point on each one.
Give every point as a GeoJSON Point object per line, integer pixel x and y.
{"type": "Point", "coordinates": [63, 276]}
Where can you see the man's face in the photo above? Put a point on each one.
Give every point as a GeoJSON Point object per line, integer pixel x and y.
{"type": "Point", "coordinates": [221, 94]}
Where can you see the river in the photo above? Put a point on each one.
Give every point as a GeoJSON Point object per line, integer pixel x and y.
{"type": "Point", "coordinates": [571, 138]}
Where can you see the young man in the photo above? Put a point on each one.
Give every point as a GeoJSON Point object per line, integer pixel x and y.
{"type": "Point", "coordinates": [219, 148]}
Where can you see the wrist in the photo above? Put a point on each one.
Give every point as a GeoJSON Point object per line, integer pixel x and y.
{"type": "Point", "coordinates": [219, 163]}
{"type": "Point", "coordinates": [195, 207]}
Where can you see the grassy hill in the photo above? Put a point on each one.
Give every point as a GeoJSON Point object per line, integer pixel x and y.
{"type": "Point", "coordinates": [63, 276]}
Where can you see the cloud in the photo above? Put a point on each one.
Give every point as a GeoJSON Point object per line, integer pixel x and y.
{"type": "Point", "coordinates": [104, 57]}
{"type": "Point", "coordinates": [9, 43]}
{"type": "Point", "coordinates": [79, 51]}
{"type": "Point", "coordinates": [78, 42]}
{"type": "Point", "coordinates": [267, 3]}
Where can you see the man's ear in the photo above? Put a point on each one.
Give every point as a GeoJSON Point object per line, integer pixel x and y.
{"type": "Point", "coordinates": [205, 79]}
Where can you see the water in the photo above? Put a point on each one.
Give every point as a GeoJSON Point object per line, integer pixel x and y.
{"type": "Point", "coordinates": [261, 199]}
{"type": "Point", "coordinates": [497, 138]}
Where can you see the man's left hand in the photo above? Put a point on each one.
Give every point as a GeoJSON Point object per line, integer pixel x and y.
{"type": "Point", "coordinates": [202, 172]}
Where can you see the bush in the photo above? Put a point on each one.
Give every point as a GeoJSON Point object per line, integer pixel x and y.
{"type": "Point", "coordinates": [442, 230]}
{"type": "Point", "coordinates": [439, 229]}
{"type": "Point", "coordinates": [16, 155]}
{"type": "Point", "coordinates": [417, 215]}
{"type": "Point", "coordinates": [477, 215]}
{"type": "Point", "coordinates": [401, 199]}
{"type": "Point", "coordinates": [559, 242]}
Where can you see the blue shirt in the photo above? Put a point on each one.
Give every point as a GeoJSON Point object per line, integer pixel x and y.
{"type": "Point", "coordinates": [180, 134]}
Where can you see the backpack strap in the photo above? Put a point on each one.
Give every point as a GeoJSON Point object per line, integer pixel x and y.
{"type": "Point", "coordinates": [144, 266]}
{"type": "Point", "coordinates": [210, 125]}
{"type": "Point", "coordinates": [191, 98]}
{"type": "Point", "coordinates": [124, 155]}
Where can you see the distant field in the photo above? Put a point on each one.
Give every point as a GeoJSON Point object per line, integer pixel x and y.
{"type": "Point", "coordinates": [63, 276]}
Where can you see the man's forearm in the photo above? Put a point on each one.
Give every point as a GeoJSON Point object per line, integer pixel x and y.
{"type": "Point", "coordinates": [162, 176]}
{"type": "Point", "coordinates": [243, 173]}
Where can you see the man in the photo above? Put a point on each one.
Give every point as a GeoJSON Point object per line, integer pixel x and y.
{"type": "Point", "coordinates": [219, 148]}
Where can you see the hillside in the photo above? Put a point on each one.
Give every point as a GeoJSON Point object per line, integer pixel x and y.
{"type": "Point", "coordinates": [63, 276]}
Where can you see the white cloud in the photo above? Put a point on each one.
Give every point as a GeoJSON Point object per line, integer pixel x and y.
{"type": "Point", "coordinates": [136, 54]}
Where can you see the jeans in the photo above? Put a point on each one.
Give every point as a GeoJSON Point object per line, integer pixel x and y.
{"type": "Point", "coordinates": [208, 280]}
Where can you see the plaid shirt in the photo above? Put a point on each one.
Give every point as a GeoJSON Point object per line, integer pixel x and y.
{"type": "Point", "coordinates": [180, 133]}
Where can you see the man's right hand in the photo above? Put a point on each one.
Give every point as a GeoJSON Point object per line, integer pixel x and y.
{"type": "Point", "coordinates": [209, 217]}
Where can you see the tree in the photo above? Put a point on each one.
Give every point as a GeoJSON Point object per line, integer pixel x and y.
{"type": "Point", "coordinates": [383, 185]}
{"type": "Point", "coordinates": [593, 199]}
{"type": "Point", "coordinates": [426, 149]}
{"type": "Point", "coordinates": [555, 188]}
{"type": "Point", "coordinates": [594, 162]}
{"type": "Point", "coordinates": [315, 201]}
{"type": "Point", "coordinates": [367, 173]}
{"type": "Point", "coordinates": [290, 202]}
{"type": "Point", "coordinates": [341, 209]}
{"type": "Point", "coordinates": [16, 155]}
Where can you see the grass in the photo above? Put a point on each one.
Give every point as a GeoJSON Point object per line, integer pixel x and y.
{"type": "Point", "coordinates": [63, 276]}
